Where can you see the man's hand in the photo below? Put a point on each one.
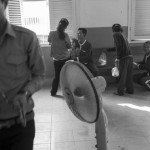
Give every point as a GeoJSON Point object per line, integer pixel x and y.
{"type": "Point", "coordinates": [67, 45]}
{"type": "Point", "coordinates": [136, 65]}
{"type": "Point", "coordinates": [19, 103]}
{"type": "Point", "coordinates": [71, 60]}
{"type": "Point", "coordinates": [117, 63]}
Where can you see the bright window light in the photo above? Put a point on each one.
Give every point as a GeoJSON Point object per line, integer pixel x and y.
{"type": "Point", "coordinates": [143, 108]}
{"type": "Point", "coordinates": [36, 18]}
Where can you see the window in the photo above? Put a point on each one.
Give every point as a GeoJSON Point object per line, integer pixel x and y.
{"type": "Point", "coordinates": [139, 20]}
{"type": "Point", "coordinates": [15, 12]}
{"type": "Point", "coordinates": [21, 12]}
{"type": "Point", "coordinates": [36, 18]}
{"type": "Point", "coordinates": [61, 9]}
{"type": "Point", "coordinates": [40, 16]}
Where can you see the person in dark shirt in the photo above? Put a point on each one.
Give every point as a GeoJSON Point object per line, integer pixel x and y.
{"type": "Point", "coordinates": [85, 53]}
{"type": "Point", "coordinates": [124, 61]}
{"type": "Point", "coordinates": [22, 73]}
{"type": "Point", "coordinates": [143, 78]}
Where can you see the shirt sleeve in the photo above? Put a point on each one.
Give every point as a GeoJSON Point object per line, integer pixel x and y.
{"type": "Point", "coordinates": [36, 66]}
{"type": "Point", "coordinates": [145, 65]}
{"type": "Point", "coordinates": [68, 41]}
{"type": "Point", "coordinates": [143, 61]}
{"type": "Point", "coordinates": [50, 42]}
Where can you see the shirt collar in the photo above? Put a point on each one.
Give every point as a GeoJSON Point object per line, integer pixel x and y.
{"type": "Point", "coordinates": [9, 30]}
{"type": "Point", "coordinates": [82, 43]}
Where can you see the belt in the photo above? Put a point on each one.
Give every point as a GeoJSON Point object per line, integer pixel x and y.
{"type": "Point", "coordinates": [13, 121]}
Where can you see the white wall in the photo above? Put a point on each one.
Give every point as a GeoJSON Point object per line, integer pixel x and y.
{"type": "Point", "coordinates": [102, 13]}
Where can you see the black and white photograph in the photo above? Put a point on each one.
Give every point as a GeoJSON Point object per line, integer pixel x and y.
{"type": "Point", "coordinates": [74, 74]}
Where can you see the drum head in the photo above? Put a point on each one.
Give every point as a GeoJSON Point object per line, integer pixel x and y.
{"type": "Point", "coordinates": [79, 91]}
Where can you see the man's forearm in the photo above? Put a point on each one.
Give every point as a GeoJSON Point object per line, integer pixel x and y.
{"type": "Point", "coordinates": [35, 84]}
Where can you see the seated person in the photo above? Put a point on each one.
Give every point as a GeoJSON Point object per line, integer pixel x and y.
{"type": "Point", "coordinates": [75, 48]}
{"type": "Point", "coordinates": [143, 78]}
{"type": "Point", "coordinates": [85, 52]}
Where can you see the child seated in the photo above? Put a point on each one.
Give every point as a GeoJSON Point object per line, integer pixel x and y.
{"type": "Point", "coordinates": [144, 77]}
{"type": "Point", "coordinates": [75, 49]}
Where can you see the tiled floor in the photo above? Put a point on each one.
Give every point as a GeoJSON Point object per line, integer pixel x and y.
{"type": "Point", "coordinates": [58, 129]}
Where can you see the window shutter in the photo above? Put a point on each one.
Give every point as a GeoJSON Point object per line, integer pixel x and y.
{"type": "Point", "coordinates": [61, 9]}
{"type": "Point", "coordinates": [15, 12]}
{"type": "Point", "coordinates": [140, 19]}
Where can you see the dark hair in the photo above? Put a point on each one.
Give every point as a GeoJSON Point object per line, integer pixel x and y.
{"type": "Point", "coordinates": [117, 28]}
{"type": "Point", "coordinates": [5, 2]}
{"type": "Point", "coordinates": [84, 31]}
{"type": "Point", "coordinates": [63, 23]}
{"type": "Point", "coordinates": [147, 43]}
{"type": "Point", "coordinates": [76, 42]}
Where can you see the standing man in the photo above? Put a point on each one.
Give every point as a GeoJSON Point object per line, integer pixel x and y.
{"type": "Point", "coordinates": [85, 53]}
{"type": "Point", "coordinates": [21, 75]}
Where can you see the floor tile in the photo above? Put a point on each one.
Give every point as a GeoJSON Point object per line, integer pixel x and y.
{"type": "Point", "coordinates": [63, 146]}
{"type": "Point", "coordinates": [62, 126]}
{"type": "Point", "coordinates": [43, 117]}
{"type": "Point", "coordinates": [84, 145]}
{"type": "Point", "coordinates": [83, 135]}
{"type": "Point", "coordinates": [42, 147]}
{"type": "Point", "coordinates": [62, 136]}
{"type": "Point", "coordinates": [137, 143]}
{"type": "Point", "coordinates": [43, 127]}
{"type": "Point", "coordinates": [42, 138]}
{"type": "Point", "coordinates": [57, 128]}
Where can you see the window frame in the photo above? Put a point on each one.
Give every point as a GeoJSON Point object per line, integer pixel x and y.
{"type": "Point", "coordinates": [17, 9]}
{"type": "Point", "coordinates": [62, 13]}
{"type": "Point", "coordinates": [74, 11]}
{"type": "Point", "coordinates": [131, 25]}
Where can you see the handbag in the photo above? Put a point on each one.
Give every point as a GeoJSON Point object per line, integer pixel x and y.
{"type": "Point", "coordinates": [115, 72]}
{"type": "Point", "coordinates": [102, 59]}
